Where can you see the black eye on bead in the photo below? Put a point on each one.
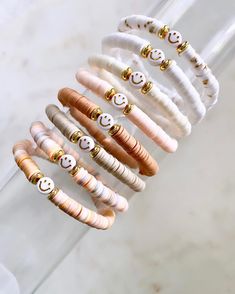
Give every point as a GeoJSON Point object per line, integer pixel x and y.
{"type": "Point", "coordinates": [105, 116]}
{"type": "Point", "coordinates": [70, 160]}
{"type": "Point", "coordinates": [45, 181]}
{"type": "Point", "coordinates": [65, 158]}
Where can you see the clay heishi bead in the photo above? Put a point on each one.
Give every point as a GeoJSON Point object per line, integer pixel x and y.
{"type": "Point", "coordinates": [174, 38]}
{"type": "Point", "coordinates": [119, 100]}
{"type": "Point", "coordinates": [137, 79]}
{"type": "Point", "coordinates": [156, 57]}
{"type": "Point", "coordinates": [86, 143]}
{"type": "Point", "coordinates": [45, 185]}
{"type": "Point", "coordinates": [105, 121]}
{"type": "Point", "coordinates": [67, 162]}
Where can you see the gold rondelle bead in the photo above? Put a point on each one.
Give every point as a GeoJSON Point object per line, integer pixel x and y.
{"type": "Point", "coordinates": [75, 136]}
{"type": "Point", "coordinates": [74, 170]}
{"type": "Point", "coordinates": [146, 50]}
{"type": "Point", "coordinates": [95, 151]}
{"type": "Point", "coordinates": [165, 64]}
{"type": "Point", "coordinates": [163, 32]}
{"type": "Point", "coordinates": [96, 113]}
{"type": "Point", "coordinates": [114, 129]}
{"type": "Point", "coordinates": [146, 87]}
{"type": "Point", "coordinates": [182, 47]}
{"type": "Point", "coordinates": [36, 177]}
{"type": "Point", "coordinates": [128, 109]}
{"type": "Point", "coordinates": [56, 156]}
{"type": "Point", "coordinates": [53, 193]}
{"type": "Point", "coordinates": [109, 94]}
{"type": "Point", "coordinates": [126, 73]}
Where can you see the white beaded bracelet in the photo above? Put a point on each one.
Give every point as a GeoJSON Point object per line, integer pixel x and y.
{"type": "Point", "coordinates": [153, 95]}
{"type": "Point", "coordinates": [174, 39]}
{"type": "Point", "coordinates": [193, 106]}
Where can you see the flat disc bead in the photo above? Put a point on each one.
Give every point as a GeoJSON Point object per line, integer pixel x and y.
{"type": "Point", "coordinates": [119, 100]}
{"type": "Point", "coordinates": [67, 162]}
{"type": "Point", "coordinates": [105, 121]}
{"type": "Point", "coordinates": [86, 143]}
{"type": "Point", "coordinates": [174, 38]}
{"type": "Point", "coordinates": [156, 57]}
{"type": "Point", "coordinates": [137, 79]}
{"type": "Point", "coordinates": [45, 185]}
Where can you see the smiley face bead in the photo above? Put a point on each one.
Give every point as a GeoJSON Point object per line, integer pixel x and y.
{"type": "Point", "coordinates": [156, 57]}
{"type": "Point", "coordinates": [137, 79]}
{"type": "Point", "coordinates": [86, 143]}
{"type": "Point", "coordinates": [45, 185]}
{"type": "Point", "coordinates": [105, 121]}
{"type": "Point", "coordinates": [119, 100]}
{"type": "Point", "coordinates": [174, 38]}
{"type": "Point", "coordinates": [67, 162]}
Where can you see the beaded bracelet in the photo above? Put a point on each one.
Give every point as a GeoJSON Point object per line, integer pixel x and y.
{"type": "Point", "coordinates": [97, 153]}
{"type": "Point", "coordinates": [193, 106]}
{"type": "Point", "coordinates": [131, 111]}
{"type": "Point", "coordinates": [153, 95]}
{"type": "Point", "coordinates": [174, 39]}
{"type": "Point", "coordinates": [80, 175]}
{"type": "Point", "coordinates": [102, 219]}
{"type": "Point", "coordinates": [70, 98]}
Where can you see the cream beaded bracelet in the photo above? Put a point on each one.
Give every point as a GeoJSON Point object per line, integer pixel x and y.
{"type": "Point", "coordinates": [81, 176]}
{"type": "Point", "coordinates": [102, 219]}
{"type": "Point", "coordinates": [152, 94]}
{"type": "Point", "coordinates": [97, 153]}
{"type": "Point", "coordinates": [183, 48]}
{"type": "Point", "coordinates": [131, 111]}
{"type": "Point", "coordinates": [193, 106]}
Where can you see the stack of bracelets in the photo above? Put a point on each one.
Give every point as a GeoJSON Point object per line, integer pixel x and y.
{"type": "Point", "coordinates": [108, 142]}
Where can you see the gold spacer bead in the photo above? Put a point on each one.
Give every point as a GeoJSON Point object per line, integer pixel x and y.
{"type": "Point", "coordinates": [182, 47]}
{"type": "Point", "coordinates": [75, 136]}
{"type": "Point", "coordinates": [53, 193]}
{"type": "Point", "coordinates": [109, 94]}
{"type": "Point", "coordinates": [146, 87]}
{"type": "Point", "coordinates": [36, 177]}
{"type": "Point", "coordinates": [114, 129]}
{"type": "Point", "coordinates": [126, 73]}
{"type": "Point", "coordinates": [163, 32]}
{"type": "Point", "coordinates": [146, 50]}
{"type": "Point", "coordinates": [95, 151]}
{"type": "Point", "coordinates": [96, 113]}
{"type": "Point", "coordinates": [128, 109]}
{"type": "Point", "coordinates": [165, 64]}
{"type": "Point", "coordinates": [74, 171]}
{"type": "Point", "coordinates": [56, 156]}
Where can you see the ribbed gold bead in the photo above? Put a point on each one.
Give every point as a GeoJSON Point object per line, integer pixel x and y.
{"type": "Point", "coordinates": [165, 64]}
{"type": "Point", "coordinates": [146, 87]}
{"type": "Point", "coordinates": [56, 156]}
{"type": "Point", "coordinates": [182, 47]}
{"type": "Point", "coordinates": [126, 73]}
{"type": "Point", "coordinates": [114, 129]}
{"type": "Point", "coordinates": [74, 171]}
{"type": "Point", "coordinates": [109, 94]}
{"type": "Point", "coordinates": [128, 109]}
{"type": "Point", "coordinates": [146, 50]}
{"type": "Point", "coordinates": [95, 151]}
{"type": "Point", "coordinates": [75, 136]}
{"type": "Point", "coordinates": [163, 32]}
{"type": "Point", "coordinates": [36, 177]}
{"type": "Point", "coordinates": [96, 113]}
{"type": "Point", "coordinates": [53, 193]}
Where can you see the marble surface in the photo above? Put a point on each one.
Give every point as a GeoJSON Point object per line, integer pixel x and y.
{"type": "Point", "coordinates": [178, 239]}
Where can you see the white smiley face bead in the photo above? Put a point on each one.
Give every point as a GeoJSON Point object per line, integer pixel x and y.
{"type": "Point", "coordinates": [45, 185]}
{"type": "Point", "coordinates": [174, 38]}
{"type": "Point", "coordinates": [67, 162]}
{"type": "Point", "coordinates": [137, 79]}
{"type": "Point", "coordinates": [119, 101]}
{"type": "Point", "coordinates": [105, 121]}
{"type": "Point", "coordinates": [156, 57]}
{"type": "Point", "coordinates": [86, 143]}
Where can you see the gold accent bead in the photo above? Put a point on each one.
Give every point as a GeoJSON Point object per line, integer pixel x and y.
{"type": "Point", "coordinates": [36, 177]}
{"type": "Point", "coordinates": [53, 193]}
{"type": "Point", "coordinates": [56, 156]}
{"type": "Point", "coordinates": [126, 73]}
{"type": "Point", "coordinates": [96, 113]}
{"type": "Point", "coordinates": [146, 87]}
{"type": "Point", "coordinates": [75, 136]}
{"type": "Point", "coordinates": [163, 32]}
{"type": "Point", "coordinates": [128, 109]}
{"type": "Point", "coordinates": [146, 50]}
{"type": "Point", "coordinates": [182, 47]}
{"type": "Point", "coordinates": [95, 151]}
{"type": "Point", "coordinates": [165, 64]}
{"type": "Point", "coordinates": [109, 94]}
{"type": "Point", "coordinates": [114, 129]}
{"type": "Point", "coordinates": [74, 171]}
